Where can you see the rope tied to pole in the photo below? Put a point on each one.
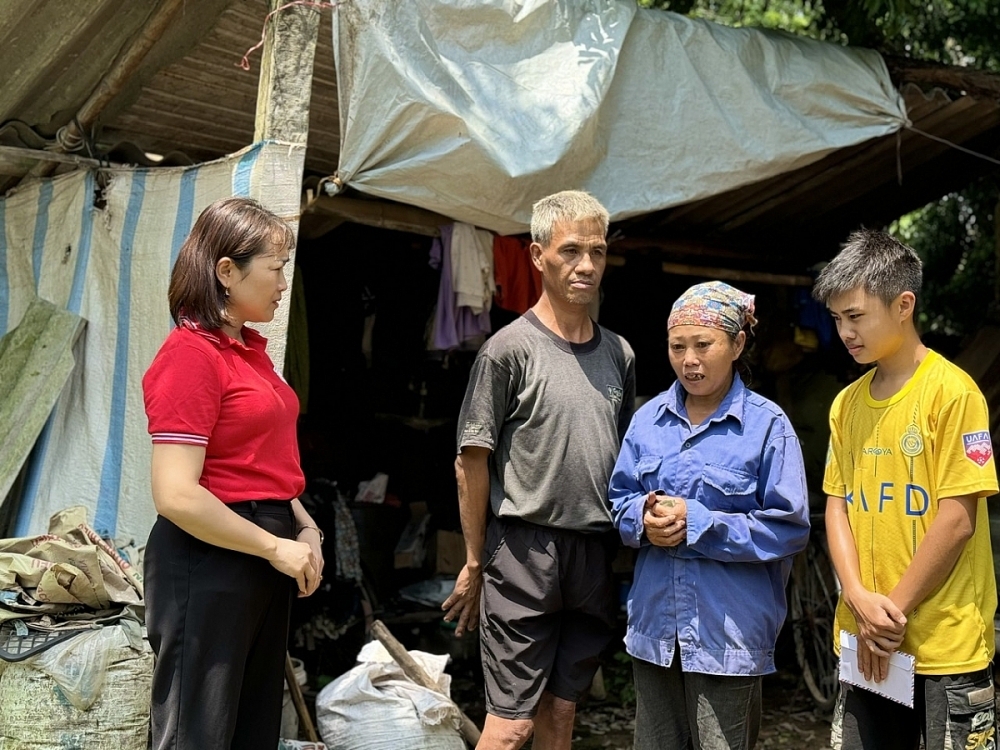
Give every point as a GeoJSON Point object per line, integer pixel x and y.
{"type": "Point", "coordinates": [331, 5]}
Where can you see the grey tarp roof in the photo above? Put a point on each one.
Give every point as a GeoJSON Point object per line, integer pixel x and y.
{"type": "Point", "coordinates": [475, 111]}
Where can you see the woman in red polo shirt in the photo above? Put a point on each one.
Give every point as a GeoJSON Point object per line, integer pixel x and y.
{"type": "Point", "coordinates": [232, 541]}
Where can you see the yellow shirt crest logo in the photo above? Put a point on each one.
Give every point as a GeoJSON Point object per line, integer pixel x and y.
{"type": "Point", "coordinates": [911, 443]}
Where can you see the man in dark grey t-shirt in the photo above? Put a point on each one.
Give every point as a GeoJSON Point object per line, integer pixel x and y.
{"type": "Point", "coordinates": [548, 399]}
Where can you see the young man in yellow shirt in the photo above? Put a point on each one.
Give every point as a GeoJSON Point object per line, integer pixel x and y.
{"type": "Point", "coordinates": [908, 472]}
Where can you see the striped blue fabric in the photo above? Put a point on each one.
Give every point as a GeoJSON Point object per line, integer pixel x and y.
{"type": "Point", "coordinates": [241, 177]}
{"type": "Point", "coordinates": [83, 250]}
{"type": "Point", "coordinates": [41, 230]}
{"type": "Point", "coordinates": [107, 500]}
{"type": "Point", "coordinates": [185, 214]}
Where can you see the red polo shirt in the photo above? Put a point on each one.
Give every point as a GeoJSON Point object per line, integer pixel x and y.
{"type": "Point", "coordinates": [207, 389]}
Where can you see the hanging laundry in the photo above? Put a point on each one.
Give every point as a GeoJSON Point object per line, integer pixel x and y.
{"type": "Point", "coordinates": [454, 325]}
{"type": "Point", "coordinates": [472, 267]}
{"type": "Point", "coordinates": [518, 282]}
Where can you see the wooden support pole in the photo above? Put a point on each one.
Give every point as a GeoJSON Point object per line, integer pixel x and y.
{"type": "Point", "coordinates": [283, 96]}
{"type": "Point", "coordinates": [416, 673]}
{"type": "Point", "coordinates": [286, 71]}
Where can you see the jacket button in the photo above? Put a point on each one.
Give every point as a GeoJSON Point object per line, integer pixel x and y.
{"type": "Point", "coordinates": [687, 444]}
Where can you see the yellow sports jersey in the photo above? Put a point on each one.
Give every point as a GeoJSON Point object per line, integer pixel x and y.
{"type": "Point", "coordinates": [893, 460]}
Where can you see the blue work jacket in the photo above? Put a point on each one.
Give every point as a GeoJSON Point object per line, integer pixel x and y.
{"type": "Point", "coordinates": [720, 594]}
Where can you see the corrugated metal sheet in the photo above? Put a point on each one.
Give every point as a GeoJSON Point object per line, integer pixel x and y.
{"type": "Point", "coordinates": [204, 104]}
{"type": "Point", "coordinates": [54, 53]}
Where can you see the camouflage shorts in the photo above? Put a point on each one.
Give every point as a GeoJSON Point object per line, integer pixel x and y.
{"type": "Point", "coordinates": [951, 712]}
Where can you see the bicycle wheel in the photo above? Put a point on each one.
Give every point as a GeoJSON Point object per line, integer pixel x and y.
{"type": "Point", "coordinates": [814, 593]}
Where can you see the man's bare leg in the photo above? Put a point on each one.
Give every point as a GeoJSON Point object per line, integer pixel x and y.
{"type": "Point", "coordinates": [504, 734]}
{"type": "Point", "coordinates": [554, 723]}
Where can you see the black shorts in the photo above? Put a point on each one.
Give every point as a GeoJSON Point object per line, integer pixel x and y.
{"type": "Point", "coordinates": [548, 611]}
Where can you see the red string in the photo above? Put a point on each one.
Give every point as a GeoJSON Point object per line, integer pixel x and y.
{"type": "Point", "coordinates": [245, 62]}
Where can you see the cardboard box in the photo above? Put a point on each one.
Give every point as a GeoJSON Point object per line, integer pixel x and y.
{"type": "Point", "coordinates": [450, 552]}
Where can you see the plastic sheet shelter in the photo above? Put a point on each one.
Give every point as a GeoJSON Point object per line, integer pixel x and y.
{"type": "Point", "coordinates": [476, 108]}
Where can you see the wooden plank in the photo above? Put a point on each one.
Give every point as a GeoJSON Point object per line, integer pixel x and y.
{"type": "Point", "coordinates": [181, 132]}
{"type": "Point", "coordinates": [734, 274]}
{"type": "Point", "coordinates": [880, 204]}
{"type": "Point", "coordinates": [127, 63]}
{"type": "Point", "coordinates": [184, 100]}
{"type": "Point", "coordinates": [978, 83]}
{"type": "Point", "coordinates": [314, 226]}
{"type": "Point", "coordinates": [383, 214]}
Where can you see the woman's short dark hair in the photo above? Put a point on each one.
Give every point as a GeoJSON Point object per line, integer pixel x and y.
{"type": "Point", "coordinates": [234, 228]}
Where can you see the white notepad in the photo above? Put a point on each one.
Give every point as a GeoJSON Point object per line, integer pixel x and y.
{"type": "Point", "coordinates": [897, 686]}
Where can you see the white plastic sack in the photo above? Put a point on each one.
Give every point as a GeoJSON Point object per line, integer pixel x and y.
{"type": "Point", "coordinates": [375, 707]}
{"type": "Point", "coordinates": [79, 666]}
{"type": "Point", "coordinates": [477, 108]}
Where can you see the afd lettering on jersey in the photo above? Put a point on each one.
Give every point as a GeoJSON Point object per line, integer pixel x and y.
{"type": "Point", "coordinates": [916, 498]}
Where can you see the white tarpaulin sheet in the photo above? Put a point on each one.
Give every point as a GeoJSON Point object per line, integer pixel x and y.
{"type": "Point", "coordinates": [477, 108]}
{"type": "Point", "coordinates": [110, 262]}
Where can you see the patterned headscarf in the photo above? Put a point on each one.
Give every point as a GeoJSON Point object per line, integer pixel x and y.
{"type": "Point", "coordinates": [713, 304]}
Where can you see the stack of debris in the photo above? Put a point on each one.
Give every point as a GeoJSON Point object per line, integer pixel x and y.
{"type": "Point", "coordinates": [73, 660]}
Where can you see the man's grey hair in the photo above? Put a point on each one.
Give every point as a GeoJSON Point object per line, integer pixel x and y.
{"type": "Point", "coordinates": [874, 261]}
{"type": "Point", "coordinates": [569, 205]}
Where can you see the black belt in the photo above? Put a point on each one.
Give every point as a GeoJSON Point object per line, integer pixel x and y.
{"type": "Point", "coordinates": [269, 507]}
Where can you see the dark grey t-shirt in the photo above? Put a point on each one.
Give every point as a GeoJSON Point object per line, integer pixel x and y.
{"type": "Point", "coordinates": [553, 414]}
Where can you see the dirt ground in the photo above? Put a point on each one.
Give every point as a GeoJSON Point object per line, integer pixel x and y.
{"type": "Point", "coordinates": [789, 719]}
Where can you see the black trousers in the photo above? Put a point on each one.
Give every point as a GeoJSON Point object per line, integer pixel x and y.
{"type": "Point", "coordinates": [218, 623]}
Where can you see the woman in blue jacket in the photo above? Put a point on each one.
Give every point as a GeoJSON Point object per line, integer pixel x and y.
{"type": "Point", "coordinates": [710, 487]}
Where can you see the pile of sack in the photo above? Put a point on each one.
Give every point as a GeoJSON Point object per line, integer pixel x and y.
{"type": "Point", "coordinates": [75, 669]}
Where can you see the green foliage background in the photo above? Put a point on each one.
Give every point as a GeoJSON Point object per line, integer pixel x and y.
{"type": "Point", "coordinates": [957, 235]}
